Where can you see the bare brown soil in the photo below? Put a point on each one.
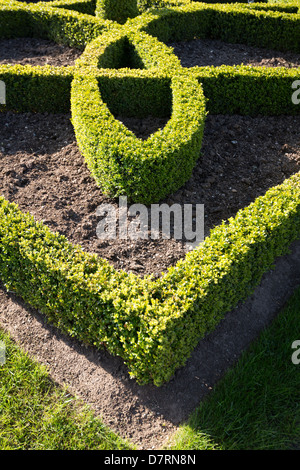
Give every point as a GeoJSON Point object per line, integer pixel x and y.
{"type": "Point", "coordinates": [205, 52]}
{"type": "Point", "coordinates": [42, 170]}
{"type": "Point", "coordinates": [33, 51]}
{"type": "Point", "coordinates": [198, 52]}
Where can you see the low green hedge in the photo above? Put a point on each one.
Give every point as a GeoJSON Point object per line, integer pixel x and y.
{"type": "Point", "coordinates": [224, 270]}
{"type": "Point", "coordinates": [82, 6]}
{"type": "Point", "coordinates": [233, 23]}
{"type": "Point", "coordinates": [152, 325]}
{"type": "Point", "coordinates": [248, 90]}
{"type": "Point", "coordinates": [117, 10]}
{"type": "Point", "coordinates": [243, 90]}
{"type": "Point", "coordinates": [265, 25]}
{"type": "Point", "coordinates": [42, 21]}
{"type": "Point", "coordinates": [279, 7]}
{"type": "Point", "coordinates": [145, 5]}
{"type": "Point", "coordinates": [119, 161]}
{"type": "Point", "coordinates": [37, 89]}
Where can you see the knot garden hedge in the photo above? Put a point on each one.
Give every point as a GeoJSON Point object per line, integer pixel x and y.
{"type": "Point", "coordinates": [126, 68]}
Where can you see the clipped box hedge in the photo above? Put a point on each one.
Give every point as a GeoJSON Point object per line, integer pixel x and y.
{"type": "Point", "coordinates": [152, 324]}
{"type": "Point", "coordinates": [117, 10]}
{"type": "Point", "coordinates": [82, 6]}
{"type": "Point", "coordinates": [234, 23]}
{"type": "Point", "coordinates": [121, 163]}
{"type": "Point", "coordinates": [243, 90]}
{"type": "Point", "coordinates": [43, 21]}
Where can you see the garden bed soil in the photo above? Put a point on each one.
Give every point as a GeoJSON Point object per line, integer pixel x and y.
{"type": "Point", "coordinates": [42, 170]}
{"type": "Point", "coordinates": [33, 51]}
{"type": "Point", "coordinates": [198, 52]}
{"type": "Point", "coordinates": [206, 52]}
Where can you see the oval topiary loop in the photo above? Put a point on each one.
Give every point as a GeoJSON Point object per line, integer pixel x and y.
{"type": "Point", "coordinates": [121, 163]}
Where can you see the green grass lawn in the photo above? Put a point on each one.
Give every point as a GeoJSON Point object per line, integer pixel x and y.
{"type": "Point", "coordinates": [36, 414]}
